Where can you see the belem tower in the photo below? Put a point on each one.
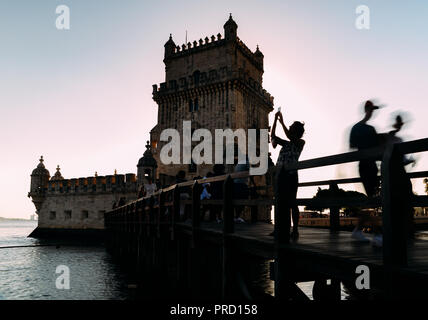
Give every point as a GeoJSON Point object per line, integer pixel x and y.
{"type": "Point", "coordinates": [215, 82]}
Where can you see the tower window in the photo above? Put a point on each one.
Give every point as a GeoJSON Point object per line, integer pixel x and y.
{"type": "Point", "coordinates": [193, 105]}
{"type": "Point", "coordinates": [67, 214]}
{"type": "Point", "coordinates": [85, 214]}
{"type": "Point", "coordinates": [52, 215]}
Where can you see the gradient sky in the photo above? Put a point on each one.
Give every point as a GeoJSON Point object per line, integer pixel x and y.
{"type": "Point", "coordinates": [82, 98]}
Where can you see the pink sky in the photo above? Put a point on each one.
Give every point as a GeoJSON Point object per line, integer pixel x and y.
{"type": "Point", "coordinates": [82, 98]}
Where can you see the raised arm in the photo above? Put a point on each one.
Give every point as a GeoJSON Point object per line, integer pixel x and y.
{"type": "Point", "coordinates": [284, 127]}
{"type": "Point", "coordinates": [272, 133]}
{"type": "Point", "coordinates": [276, 140]}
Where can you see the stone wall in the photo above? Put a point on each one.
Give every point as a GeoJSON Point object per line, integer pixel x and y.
{"type": "Point", "coordinates": [78, 211]}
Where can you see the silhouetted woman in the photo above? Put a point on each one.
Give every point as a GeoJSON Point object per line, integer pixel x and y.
{"type": "Point", "coordinates": [286, 181]}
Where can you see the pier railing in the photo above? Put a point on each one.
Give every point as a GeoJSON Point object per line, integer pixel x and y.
{"type": "Point", "coordinates": [163, 207]}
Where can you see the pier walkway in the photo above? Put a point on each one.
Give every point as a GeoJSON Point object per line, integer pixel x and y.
{"type": "Point", "coordinates": [196, 254]}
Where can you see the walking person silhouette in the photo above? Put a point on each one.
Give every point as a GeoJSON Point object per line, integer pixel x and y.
{"type": "Point", "coordinates": [406, 188]}
{"type": "Point", "coordinates": [286, 181]}
{"type": "Point", "coordinates": [364, 136]}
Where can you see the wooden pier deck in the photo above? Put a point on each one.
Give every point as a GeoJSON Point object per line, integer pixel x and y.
{"type": "Point", "coordinates": [194, 254]}
{"type": "Point", "coordinates": [319, 251]}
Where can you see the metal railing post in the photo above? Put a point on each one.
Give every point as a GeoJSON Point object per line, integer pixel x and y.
{"type": "Point", "coordinates": [334, 211]}
{"type": "Point", "coordinates": [228, 227]}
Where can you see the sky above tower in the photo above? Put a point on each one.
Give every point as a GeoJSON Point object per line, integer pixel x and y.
{"type": "Point", "coordinates": [82, 97]}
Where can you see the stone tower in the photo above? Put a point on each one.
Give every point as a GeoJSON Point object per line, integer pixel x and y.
{"type": "Point", "coordinates": [216, 83]}
{"type": "Point", "coordinates": [39, 183]}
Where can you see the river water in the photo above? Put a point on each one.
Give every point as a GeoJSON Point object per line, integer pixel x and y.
{"type": "Point", "coordinates": [28, 269]}
{"type": "Point", "coordinates": [30, 272]}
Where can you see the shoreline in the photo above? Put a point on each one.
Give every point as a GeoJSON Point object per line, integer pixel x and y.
{"type": "Point", "coordinates": [15, 219]}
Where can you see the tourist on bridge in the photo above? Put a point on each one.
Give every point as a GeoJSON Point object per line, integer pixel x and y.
{"type": "Point", "coordinates": [286, 181]}
{"type": "Point", "coordinates": [150, 187]}
{"type": "Point", "coordinates": [406, 189]}
{"type": "Point", "coordinates": [364, 136]}
{"type": "Point", "coordinates": [141, 192]}
{"type": "Point", "coordinates": [217, 192]}
{"type": "Point", "coordinates": [184, 192]}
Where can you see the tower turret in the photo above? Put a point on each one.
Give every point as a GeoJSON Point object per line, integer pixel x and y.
{"type": "Point", "coordinates": [230, 29]}
{"type": "Point", "coordinates": [169, 47]}
{"type": "Point", "coordinates": [57, 176]}
{"type": "Point", "coordinates": [39, 181]}
{"type": "Point", "coordinates": [146, 166]}
{"type": "Point", "coordinates": [259, 56]}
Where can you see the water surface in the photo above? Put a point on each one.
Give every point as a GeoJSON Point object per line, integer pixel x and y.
{"type": "Point", "coordinates": [29, 272]}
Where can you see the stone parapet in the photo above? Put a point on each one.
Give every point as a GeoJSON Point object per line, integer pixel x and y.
{"type": "Point", "coordinates": [93, 185]}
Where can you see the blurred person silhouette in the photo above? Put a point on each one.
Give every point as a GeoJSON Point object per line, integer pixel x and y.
{"type": "Point", "coordinates": [184, 192]}
{"type": "Point", "coordinates": [286, 182]}
{"type": "Point", "coordinates": [406, 189]}
{"type": "Point", "coordinates": [392, 137]}
{"type": "Point", "coordinates": [240, 187]}
{"type": "Point", "coordinates": [217, 192]}
{"type": "Point", "coordinates": [141, 192]}
{"type": "Point", "coordinates": [364, 136]}
{"type": "Point", "coordinates": [122, 201]}
{"type": "Point", "coordinates": [205, 195]}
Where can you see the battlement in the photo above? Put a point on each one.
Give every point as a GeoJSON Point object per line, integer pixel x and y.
{"type": "Point", "coordinates": [196, 46]}
{"type": "Point", "coordinates": [214, 76]}
{"type": "Point", "coordinates": [93, 185]}
{"type": "Point", "coordinates": [210, 43]}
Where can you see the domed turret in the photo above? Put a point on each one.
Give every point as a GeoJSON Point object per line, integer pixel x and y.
{"type": "Point", "coordinates": [39, 181]}
{"type": "Point", "coordinates": [146, 165]}
{"type": "Point", "coordinates": [39, 177]}
{"type": "Point", "coordinates": [57, 176]}
{"type": "Point", "coordinates": [169, 47]}
{"type": "Point", "coordinates": [259, 55]}
{"type": "Point", "coordinates": [230, 29]}
{"type": "Point", "coordinates": [40, 169]}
